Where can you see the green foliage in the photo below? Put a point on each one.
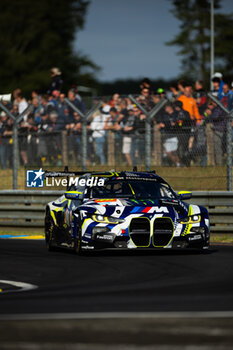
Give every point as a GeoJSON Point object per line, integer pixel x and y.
{"type": "Point", "coordinates": [194, 38]}
{"type": "Point", "coordinates": [36, 36]}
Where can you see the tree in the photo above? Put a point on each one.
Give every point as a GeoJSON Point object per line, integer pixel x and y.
{"type": "Point", "coordinates": [194, 38]}
{"type": "Point", "coordinates": [38, 35]}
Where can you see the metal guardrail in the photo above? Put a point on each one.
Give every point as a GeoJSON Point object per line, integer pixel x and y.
{"type": "Point", "coordinates": [20, 208]}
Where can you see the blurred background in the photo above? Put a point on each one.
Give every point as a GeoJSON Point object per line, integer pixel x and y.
{"type": "Point", "coordinates": [101, 85]}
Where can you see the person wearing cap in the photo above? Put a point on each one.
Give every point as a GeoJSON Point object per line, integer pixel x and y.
{"type": "Point", "coordinates": [161, 92]}
{"type": "Point", "coordinates": [56, 80]}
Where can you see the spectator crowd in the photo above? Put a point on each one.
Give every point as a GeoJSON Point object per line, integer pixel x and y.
{"type": "Point", "coordinates": [181, 123]}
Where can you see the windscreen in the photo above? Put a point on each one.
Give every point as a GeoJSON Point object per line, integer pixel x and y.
{"type": "Point", "coordinates": [132, 189]}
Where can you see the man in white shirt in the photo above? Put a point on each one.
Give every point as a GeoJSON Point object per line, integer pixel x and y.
{"type": "Point", "coordinates": [22, 104]}
{"type": "Point", "coordinates": [97, 126]}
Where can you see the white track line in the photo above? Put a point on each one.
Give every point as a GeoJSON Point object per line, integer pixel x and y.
{"type": "Point", "coordinates": [23, 286]}
{"type": "Point", "coordinates": [118, 315]}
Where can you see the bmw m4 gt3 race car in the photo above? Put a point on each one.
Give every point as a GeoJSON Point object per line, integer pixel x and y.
{"type": "Point", "coordinates": [128, 210]}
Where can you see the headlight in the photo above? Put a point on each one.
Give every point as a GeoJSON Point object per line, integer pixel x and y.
{"type": "Point", "coordinates": [106, 219]}
{"type": "Point", "coordinates": [190, 219]}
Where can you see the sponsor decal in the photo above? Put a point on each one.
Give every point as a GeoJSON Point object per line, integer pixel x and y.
{"type": "Point", "coordinates": [35, 178]}
{"type": "Point", "coordinates": [39, 178]}
{"type": "Point", "coordinates": [195, 237]}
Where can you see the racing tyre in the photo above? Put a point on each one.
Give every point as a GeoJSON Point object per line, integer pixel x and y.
{"type": "Point", "coordinates": [49, 226]}
{"type": "Point", "coordinates": [78, 243]}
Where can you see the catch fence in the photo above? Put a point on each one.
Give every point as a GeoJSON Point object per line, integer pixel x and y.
{"type": "Point", "coordinates": [197, 156]}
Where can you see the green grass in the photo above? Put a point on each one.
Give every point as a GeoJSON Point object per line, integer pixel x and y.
{"type": "Point", "coordinates": [221, 238]}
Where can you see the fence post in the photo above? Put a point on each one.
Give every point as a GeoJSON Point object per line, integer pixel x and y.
{"type": "Point", "coordinates": [111, 148]}
{"type": "Point", "coordinates": [64, 147]}
{"type": "Point", "coordinates": [229, 151]}
{"type": "Point", "coordinates": [15, 155]}
{"type": "Point", "coordinates": [157, 146]}
{"type": "Point", "coordinates": [210, 144]}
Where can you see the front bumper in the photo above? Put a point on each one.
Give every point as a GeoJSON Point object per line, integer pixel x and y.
{"type": "Point", "coordinates": [103, 238]}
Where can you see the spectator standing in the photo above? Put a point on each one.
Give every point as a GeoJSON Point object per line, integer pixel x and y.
{"type": "Point", "coordinates": [56, 80]}
{"type": "Point", "coordinates": [73, 99]}
{"type": "Point", "coordinates": [138, 138]}
{"type": "Point", "coordinates": [97, 127]}
{"type": "Point", "coordinates": [23, 133]}
{"type": "Point", "coordinates": [43, 140]}
{"type": "Point", "coordinates": [112, 124]}
{"type": "Point", "coordinates": [54, 144]}
{"type": "Point", "coordinates": [227, 98]}
{"type": "Point", "coordinates": [189, 103]}
{"type": "Point", "coordinates": [175, 92]}
{"type": "Point", "coordinates": [62, 108]}
{"type": "Point", "coordinates": [32, 141]}
{"type": "Point", "coordinates": [37, 110]}
{"type": "Point", "coordinates": [169, 138]}
{"type": "Point", "coordinates": [127, 128]}
{"type": "Point", "coordinates": [45, 107]}
{"type": "Point", "coordinates": [216, 87]}
{"type": "Point", "coordinates": [200, 97]}
{"type": "Point", "coordinates": [145, 99]}
{"type": "Point", "coordinates": [198, 143]}
{"type": "Point", "coordinates": [22, 104]}
{"type": "Point", "coordinates": [184, 128]}
{"type": "Point", "coordinates": [218, 119]}
{"type": "Point", "coordinates": [221, 83]}
{"type": "Point", "coordinates": [7, 135]}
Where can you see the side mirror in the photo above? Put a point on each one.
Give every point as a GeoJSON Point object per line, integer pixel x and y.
{"type": "Point", "coordinates": [73, 195]}
{"type": "Point", "coordinates": [184, 195]}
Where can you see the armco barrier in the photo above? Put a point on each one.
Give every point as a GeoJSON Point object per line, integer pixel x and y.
{"type": "Point", "coordinates": [26, 208]}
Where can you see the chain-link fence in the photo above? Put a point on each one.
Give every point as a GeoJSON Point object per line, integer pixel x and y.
{"type": "Point", "coordinates": [122, 134]}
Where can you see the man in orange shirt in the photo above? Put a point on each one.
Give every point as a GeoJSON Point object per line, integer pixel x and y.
{"type": "Point", "coordinates": [189, 103]}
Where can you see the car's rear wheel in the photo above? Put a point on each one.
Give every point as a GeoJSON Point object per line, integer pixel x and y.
{"type": "Point", "coordinates": [78, 242]}
{"type": "Point", "coordinates": [49, 227]}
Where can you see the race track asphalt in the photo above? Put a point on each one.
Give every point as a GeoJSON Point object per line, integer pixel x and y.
{"type": "Point", "coordinates": [163, 300]}
{"type": "Point", "coordinates": [142, 281]}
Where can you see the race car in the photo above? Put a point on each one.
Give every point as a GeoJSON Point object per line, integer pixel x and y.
{"type": "Point", "coordinates": [125, 210]}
